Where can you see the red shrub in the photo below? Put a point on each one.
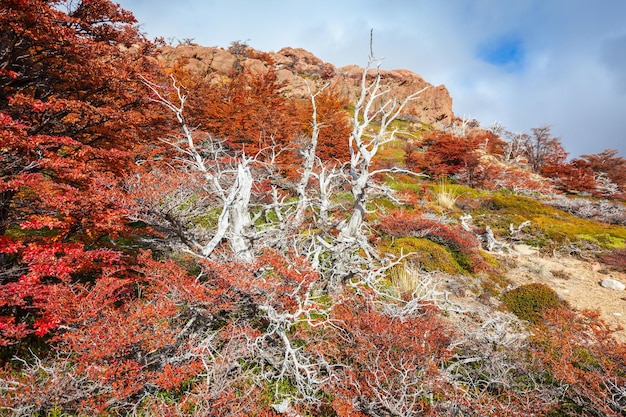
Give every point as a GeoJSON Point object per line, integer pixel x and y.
{"type": "Point", "coordinates": [584, 360]}
{"type": "Point", "coordinates": [616, 259]}
{"type": "Point", "coordinates": [442, 155]}
{"type": "Point", "coordinates": [385, 365]}
{"type": "Point", "coordinates": [401, 223]}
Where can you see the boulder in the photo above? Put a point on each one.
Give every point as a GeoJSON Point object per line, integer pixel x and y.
{"type": "Point", "coordinates": [612, 284]}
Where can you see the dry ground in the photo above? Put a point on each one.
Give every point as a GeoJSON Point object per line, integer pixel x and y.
{"type": "Point", "coordinates": [576, 281]}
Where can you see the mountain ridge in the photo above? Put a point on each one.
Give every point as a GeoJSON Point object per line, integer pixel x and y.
{"type": "Point", "coordinates": [296, 66]}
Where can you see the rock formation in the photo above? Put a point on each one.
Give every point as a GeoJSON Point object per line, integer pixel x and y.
{"type": "Point", "coordinates": [295, 67]}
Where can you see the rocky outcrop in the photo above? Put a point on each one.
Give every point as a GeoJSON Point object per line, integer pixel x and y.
{"type": "Point", "coordinates": [296, 67]}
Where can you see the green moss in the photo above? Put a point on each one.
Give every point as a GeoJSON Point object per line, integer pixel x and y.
{"type": "Point", "coordinates": [406, 182]}
{"type": "Point", "coordinates": [379, 205]}
{"type": "Point", "coordinates": [549, 227]}
{"type": "Point", "coordinates": [585, 360]}
{"type": "Point", "coordinates": [276, 391]}
{"type": "Point", "coordinates": [565, 227]}
{"type": "Point", "coordinates": [519, 204]}
{"type": "Point", "coordinates": [528, 301]}
{"type": "Point", "coordinates": [427, 255]}
{"type": "Point", "coordinates": [605, 240]}
{"type": "Point", "coordinates": [462, 259]}
{"type": "Point", "coordinates": [57, 411]}
{"type": "Point", "coordinates": [392, 153]}
{"type": "Point", "coordinates": [209, 219]}
{"type": "Point", "coordinates": [489, 259]}
{"type": "Point", "coordinates": [16, 232]}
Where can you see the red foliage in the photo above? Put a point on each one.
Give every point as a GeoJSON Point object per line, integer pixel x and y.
{"type": "Point", "coordinates": [442, 154]}
{"type": "Point", "coordinates": [251, 113]}
{"type": "Point", "coordinates": [575, 176]}
{"type": "Point", "coordinates": [73, 72]}
{"type": "Point", "coordinates": [489, 142]}
{"type": "Point", "coordinates": [392, 364]}
{"type": "Point", "coordinates": [616, 258]}
{"type": "Point", "coordinates": [71, 113]}
{"type": "Point", "coordinates": [335, 125]}
{"type": "Point", "coordinates": [151, 324]}
{"type": "Point", "coordinates": [247, 109]}
{"type": "Point", "coordinates": [401, 223]}
{"type": "Point", "coordinates": [495, 176]}
{"type": "Point", "coordinates": [607, 162]}
{"type": "Point", "coordinates": [588, 364]}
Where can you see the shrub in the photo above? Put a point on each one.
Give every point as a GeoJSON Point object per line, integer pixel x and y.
{"type": "Point", "coordinates": [616, 259]}
{"type": "Point", "coordinates": [426, 254]}
{"type": "Point", "coordinates": [529, 301]}
{"type": "Point", "coordinates": [461, 244]}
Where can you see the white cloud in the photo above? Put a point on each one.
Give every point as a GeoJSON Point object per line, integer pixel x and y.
{"type": "Point", "coordinates": [571, 74]}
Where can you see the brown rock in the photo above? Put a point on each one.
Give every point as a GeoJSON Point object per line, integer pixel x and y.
{"type": "Point", "coordinates": [201, 60]}
{"type": "Point", "coordinates": [295, 67]}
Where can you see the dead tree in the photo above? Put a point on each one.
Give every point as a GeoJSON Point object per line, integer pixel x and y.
{"type": "Point", "coordinates": [309, 157]}
{"type": "Point", "coordinates": [232, 185]}
{"type": "Point", "coordinates": [365, 140]}
{"type": "Point", "coordinates": [374, 112]}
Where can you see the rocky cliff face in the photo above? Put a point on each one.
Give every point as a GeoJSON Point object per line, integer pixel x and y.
{"type": "Point", "coordinates": [295, 67]}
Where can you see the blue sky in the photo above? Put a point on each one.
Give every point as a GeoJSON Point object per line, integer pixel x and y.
{"type": "Point", "coordinates": [523, 63]}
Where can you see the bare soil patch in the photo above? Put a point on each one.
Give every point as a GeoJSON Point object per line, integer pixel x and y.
{"type": "Point", "coordinates": [576, 281]}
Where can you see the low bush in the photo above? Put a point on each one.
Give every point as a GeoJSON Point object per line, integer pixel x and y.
{"type": "Point", "coordinates": [616, 259]}
{"type": "Point", "coordinates": [529, 301]}
{"type": "Point", "coordinates": [425, 255]}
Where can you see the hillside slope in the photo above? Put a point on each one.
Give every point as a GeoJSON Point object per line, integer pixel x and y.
{"type": "Point", "coordinates": [200, 232]}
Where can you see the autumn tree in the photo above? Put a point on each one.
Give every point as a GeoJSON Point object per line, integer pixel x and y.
{"type": "Point", "coordinates": [575, 176]}
{"type": "Point", "coordinates": [608, 168]}
{"type": "Point", "coordinates": [540, 148]}
{"type": "Point", "coordinates": [334, 124]}
{"type": "Point", "coordinates": [444, 155]}
{"type": "Point", "coordinates": [72, 109]}
{"type": "Point", "coordinates": [246, 109]}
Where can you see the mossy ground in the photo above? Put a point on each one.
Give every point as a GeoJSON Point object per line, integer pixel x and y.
{"type": "Point", "coordinates": [550, 228]}
{"type": "Point", "coordinates": [424, 254]}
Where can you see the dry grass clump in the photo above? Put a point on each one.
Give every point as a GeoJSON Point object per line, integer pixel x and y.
{"type": "Point", "coordinates": [406, 281]}
{"type": "Point", "coordinates": [410, 282]}
{"type": "Point", "coordinates": [446, 197]}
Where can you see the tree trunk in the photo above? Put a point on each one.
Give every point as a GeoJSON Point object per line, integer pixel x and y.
{"type": "Point", "coordinates": [240, 221]}
{"type": "Point", "coordinates": [6, 197]}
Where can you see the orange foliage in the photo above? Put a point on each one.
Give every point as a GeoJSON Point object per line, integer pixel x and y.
{"type": "Point", "coordinates": [442, 154]}
{"type": "Point", "coordinates": [393, 363]}
{"type": "Point", "coordinates": [579, 352]}
{"type": "Point", "coordinates": [247, 110]}
{"type": "Point", "coordinates": [334, 119]}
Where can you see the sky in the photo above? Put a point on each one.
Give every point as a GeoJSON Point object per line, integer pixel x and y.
{"type": "Point", "coordinates": [521, 63]}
